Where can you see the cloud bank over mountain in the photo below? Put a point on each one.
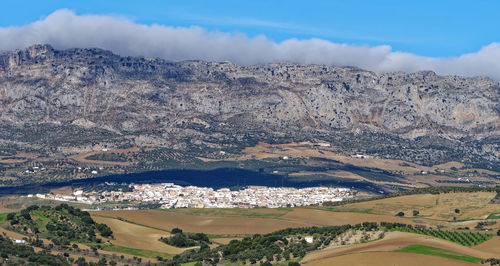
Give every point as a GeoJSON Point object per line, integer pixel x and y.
{"type": "Point", "coordinates": [64, 29]}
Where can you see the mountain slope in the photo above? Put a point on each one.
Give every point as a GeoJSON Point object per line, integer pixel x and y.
{"type": "Point", "coordinates": [58, 100]}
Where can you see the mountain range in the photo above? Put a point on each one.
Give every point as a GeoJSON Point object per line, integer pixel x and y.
{"type": "Point", "coordinates": [58, 102]}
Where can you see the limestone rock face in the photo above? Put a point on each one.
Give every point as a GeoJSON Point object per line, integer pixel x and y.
{"type": "Point", "coordinates": [132, 95]}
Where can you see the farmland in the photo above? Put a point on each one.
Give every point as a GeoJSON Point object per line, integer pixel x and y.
{"type": "Point", "coordinates": [444, 226]}
{"type": "Point", "coordinates": [393, 243]}
{"type": "Point", "coordinates": [437, 207]}
{"type": "Point", "coordinates": [243, 224]}
{"type": "Point", "coordinates": [388, 258]}
{"type": "Point", "coordinates": [435, 211]}
{"type": "Point", "coordinates": [136, 236]}
{"type": "Point", "coordinates": [426, 250]}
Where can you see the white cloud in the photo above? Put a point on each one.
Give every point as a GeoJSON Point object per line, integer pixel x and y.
{"type": "Point", "coordinates": [63, 29]}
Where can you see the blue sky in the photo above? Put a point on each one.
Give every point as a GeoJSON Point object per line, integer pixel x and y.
{"type": "Point", "coordinates": [448, 37]}
{"type": "Point", "coordinates": [427, 28]}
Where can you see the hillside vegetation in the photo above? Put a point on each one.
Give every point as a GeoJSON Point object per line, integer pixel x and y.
{"type": "Point", "coordinates": [62, 224]}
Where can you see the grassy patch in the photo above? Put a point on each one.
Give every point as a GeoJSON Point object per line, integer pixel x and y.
{"type": "Point", "coordinates": [132, 251]}
{"type": "Point", "coordinates": [3, 217]}
{"type": "Point", "coordinates": [39, 214]}
{"type": "Point", "coordinates": [426, 250]}
{"type": "Point", "coordinates": [494, 216]}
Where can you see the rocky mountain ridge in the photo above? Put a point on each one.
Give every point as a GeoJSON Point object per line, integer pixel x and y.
{"type": "Point", "coordinates": [153, 102]}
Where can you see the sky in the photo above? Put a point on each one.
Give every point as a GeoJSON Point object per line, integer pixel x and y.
{"type": "Point", "coordinates": [449, 37]}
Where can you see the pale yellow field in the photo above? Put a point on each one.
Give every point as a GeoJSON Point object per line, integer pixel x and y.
{"type": "Point", "coordinates": [440, 207]}
{"type": "Point", "coordinates": [11, 234]}
{"type": "Point", "coordinates": [312, 217]}
{"type": "Point", "coordinates": [201, 223]}
{"type": "Point", "coordinates": [136, 236]}
{"type": "Point", "coordinates": [297, 217]}
{"type": "Point", "coordinates": [492, 245]}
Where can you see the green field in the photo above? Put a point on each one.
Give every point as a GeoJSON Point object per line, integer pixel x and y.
{"type": "Point", "coordinates": [3, 216]}
{"type": "Point", "coordinates": [494, 216]}
{"type": "Point", "coordinates": [132, 251]}
{"type": "Point", "coordinates": [40, 215]}
{"type": "Point", "coordinates": [426, 250]}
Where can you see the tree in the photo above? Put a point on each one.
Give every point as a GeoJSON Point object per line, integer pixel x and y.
{"type": "Point", "coordinates": [293, 263]}
{"type": "Point", "coordinates": [400, 214]}
{"type": "Point", "coordinates": [498, 233]}
{"type": "Point", "coordinates": [104, 230]}
{"type": "Point", "coordinates": [26, 214]}
{"type": "Point", "coordinates": [457, 210]}
{"type": "Point", "coordinates": [11, 216]}
{"type": "Point", "coordinates": [204, 246]}
{"type": "Point", "coordinates": [415, 212]}
{"type": "Point", "coordinates": [176, 231]}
